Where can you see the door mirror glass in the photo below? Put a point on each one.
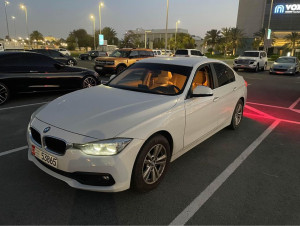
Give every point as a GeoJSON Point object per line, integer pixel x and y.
{"type": "Point", "coordinates": [112, 77]}
{"type": "Point", "coordinates": [202, 91]}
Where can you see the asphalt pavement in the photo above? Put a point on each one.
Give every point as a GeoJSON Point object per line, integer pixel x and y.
{"type": "Point", "coordinates": [247, 176]}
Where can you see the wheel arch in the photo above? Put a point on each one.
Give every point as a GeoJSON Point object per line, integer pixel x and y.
{"type": "Point", "coordinates": [165, 134]}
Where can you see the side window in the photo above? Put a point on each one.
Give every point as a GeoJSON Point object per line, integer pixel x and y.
{"type": "Point", "coordinates": [55, 53]}
{"type": "Point", "coordinates": [194, 53]}
{"type": "Point", "coordinates": [224, 74]}
{"type": "Point", "coordinates": [15, 60]}
{"type": "Point", "coordinates": [33, 60]}
{"type": "Point", "coordinates": [134, 54]}
{"type": "Point", "coordinates": [203, 77]}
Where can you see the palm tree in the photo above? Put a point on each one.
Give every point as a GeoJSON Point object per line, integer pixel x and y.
{"type": "Point", "coordinates": [236, 38]}
{"type": "Point", "coordinates": [226, 37]}
{"type": "Point", "coordinates": [292, 40]}
{"type": "Point", "coordinates": [212, 38]}
{"type": "Point", "coordinates": [260, 36]}
{"type": "Point", "coordinates": [36, 35]}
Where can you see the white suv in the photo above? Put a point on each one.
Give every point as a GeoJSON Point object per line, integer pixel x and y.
{"type": "Point", "coordinates": [253, 60]}
{"type": "Point", "coordinates": [64, 51]}
{"type": "Point", "coordinates": [188, 53]}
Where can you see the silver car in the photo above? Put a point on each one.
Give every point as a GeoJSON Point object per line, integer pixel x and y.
{"type": "Point", "coordinates": [285, 65]}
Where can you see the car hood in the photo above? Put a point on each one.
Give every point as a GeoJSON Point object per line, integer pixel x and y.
{"type": "Point", "coordinates": [246, 58]}
{"type": "Point", "coordinates": [103, 112]}
{"type": "Point", "coordinates": [283, 65]}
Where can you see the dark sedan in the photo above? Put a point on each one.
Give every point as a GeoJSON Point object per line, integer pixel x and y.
{"type": "Point", "coordinates": [22, 72]}
{"type": "Point", "coordinates": [92, 55]}
{"type": "Point", "coordinates": [68, 60]}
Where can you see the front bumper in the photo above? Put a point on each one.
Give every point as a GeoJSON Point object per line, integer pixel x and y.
{"type": "Point", "coordinates": [103, 70]}
{"type": "Point", "coordinates": [282, 71]}
{"type": "Point", "coordinates": [244, 66]}
{"type": "Point", "coordinates": [74, 164]}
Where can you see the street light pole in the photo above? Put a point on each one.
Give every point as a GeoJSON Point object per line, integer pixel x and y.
{"type": "Point", "coordinates": [100, 5]}
{"type": "Point", "coordinates": [177, 22]}
{"type": "Point", "coordinates": [23, 7]}
{"type": "Point", "coordinates": [14, 20]}
{"type": "Point", "coordinates": [93, 19]}
{"type": "Point", "coordinates": [269, 24]}
{"type": "Point", "coordinates": [146, 38]}
{"type": "Point", "coordinates": [5, 4]}
{"type": "Point", "coordinates": [166, 34]}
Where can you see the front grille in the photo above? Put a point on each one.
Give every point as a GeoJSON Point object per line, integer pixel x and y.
{"type": "Point", "coordinates": [104, 62]}
{"type": "Point", "coordinates": [55, 145]}
{"type": "Point", "coordinates": [93, 179]}
{"type": "Point", "coordinates": [282, 70]}
{"type": "Point", "coordinates": [36, 136]}
{"type": "Point", "coordinates": [245, 62]}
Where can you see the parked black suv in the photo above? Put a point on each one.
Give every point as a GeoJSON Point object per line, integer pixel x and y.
{"type": "Point", "coordinates": [92, 55]}
{"type": "Point", "coordinates": [57, 56]}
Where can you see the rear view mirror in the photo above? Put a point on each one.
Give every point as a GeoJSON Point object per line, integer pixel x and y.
{"type": "Point", "coordinates": [202, 91]}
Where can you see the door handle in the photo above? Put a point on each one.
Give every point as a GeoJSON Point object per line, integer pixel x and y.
{"type": "Point", "coordinates": [235, 88]}
{"type": "Point", "coordinates": [216, 99]}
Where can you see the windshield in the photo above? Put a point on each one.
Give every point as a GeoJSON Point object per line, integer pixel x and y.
{"type": "Point", "coordinates": [120, 53]}
{"type": "Point", "coordinates": [251, 54]}
{"type": "Point", "coordinates": [153, 78]}
{"type": "Point", "coordinates": [285, 60]}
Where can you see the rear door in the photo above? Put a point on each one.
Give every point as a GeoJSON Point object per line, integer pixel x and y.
{"type": "Point", "coordinates": [225, 95]}
{"type": "Point", "coordinates": [58, 56]}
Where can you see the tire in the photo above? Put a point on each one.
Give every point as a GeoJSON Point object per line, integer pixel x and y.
{"type": "Point", "coordinates": [120, 69]}
{"type": "Point", "coordinates": [257, 68]}
{"type": "Point", "coordinates": [88, 81]}
{"type": "Point", "coordinates": [237, 115]}
{"type": "Point", "coordinates": [4, 93]}
{"type": "Point", "coordinates": [71, 63]}
{"type": "Point", "coordinates": [147, 173]}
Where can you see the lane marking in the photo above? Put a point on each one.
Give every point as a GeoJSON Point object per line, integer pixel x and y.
{"type": "Point", "coordinates": [13, 151]}
{"type": "Point", "coordinates": [294, 104]}
{"type": "Point", "coordinates": [259, 112]}
{"type": "Point", "coordinates": [21, 106]}
{"type": "Point", "coordinates": [267, 105]}
{"type": "Point", "coordinates": [266, 117]}
{"type": "Point", "coordinates": [199, 201]}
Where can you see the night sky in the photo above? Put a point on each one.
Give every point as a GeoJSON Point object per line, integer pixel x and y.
{"type": "Point", "coordinates": [59, 17]}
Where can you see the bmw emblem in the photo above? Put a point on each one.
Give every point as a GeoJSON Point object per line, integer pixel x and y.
{"type": "Point", "coordinates": [47, 129]}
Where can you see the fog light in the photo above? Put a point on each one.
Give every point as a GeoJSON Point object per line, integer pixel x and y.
{"type": "Point", "coordinates": [105, 177]}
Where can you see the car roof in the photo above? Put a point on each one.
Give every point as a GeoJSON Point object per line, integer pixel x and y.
{"type": "Point", "coordinates": [129, 49]}
{"type": "Point", "coordinates": [287, 57]}
{"type": "Point", "coordinates": [183, 61]}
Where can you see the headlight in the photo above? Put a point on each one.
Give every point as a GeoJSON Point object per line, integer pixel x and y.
{"type": "Point", "coordinates": [252, 62]}
{"type": "Point", "coordinates": [292, 68]}
{"type": "Point", "coordinates": [104, 147]}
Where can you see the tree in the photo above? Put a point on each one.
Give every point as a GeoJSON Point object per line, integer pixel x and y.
{"type": "Point", "coordinates": [212, 38]}
{"type": "Point", "coordinates": [237, 36]}
{"type": "Point", "coordinates": [225, 41]}
{"type": "Point", "coordinates": [259, 38]}
{"type": "Point", "coordinates": [292, 41]}
{"type": "Point", "coordinates": [183, 41]}
{"type": "Point", "coordinates": [80, 38]}
{"type": "Point", "coordinates": [131, 40]}
{"type": "Point", "coordinates": [36, 35]}
{"type": "Point", "coordinates": [110, 35]}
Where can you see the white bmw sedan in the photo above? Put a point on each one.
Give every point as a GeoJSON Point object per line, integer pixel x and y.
{"type": "Point", "coordinates": [125, 133]}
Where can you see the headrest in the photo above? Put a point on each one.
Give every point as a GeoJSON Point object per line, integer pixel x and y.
{"type": "Point", "coordinates": [200, 77]}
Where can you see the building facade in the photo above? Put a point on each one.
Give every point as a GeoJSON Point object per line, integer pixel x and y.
{"type": "Point", "coordinates": [254, 15]}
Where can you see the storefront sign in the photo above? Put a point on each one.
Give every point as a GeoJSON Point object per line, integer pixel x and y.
{"type": "Point", "coordinates": [287, 9]}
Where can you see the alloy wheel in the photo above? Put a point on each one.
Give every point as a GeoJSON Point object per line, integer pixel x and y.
{"type": "Point", "coordinates": [71, 63]}
{"type": "Point", "coordinates": [3, 94]}
{"type": "Point", "coordinates": [238, 114]}
{"type": "Point", "coordinates": [89, 82]}
{"type": "Point", "coordinates": [154, 164]}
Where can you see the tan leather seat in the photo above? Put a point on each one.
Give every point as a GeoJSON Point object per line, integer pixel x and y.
{"type": "Point", "coordinates": [200, 79]}
{"type": "Point", "coordinates": [163, 79]}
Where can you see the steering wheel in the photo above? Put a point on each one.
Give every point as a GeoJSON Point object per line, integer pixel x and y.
{"type": "Point", "coordinates": [175, 87]}
{"type": "Point", "coordinates": [167, 89]}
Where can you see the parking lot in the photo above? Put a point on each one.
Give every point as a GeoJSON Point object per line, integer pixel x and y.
{"type": "Point", "coordinates": [247, 176]}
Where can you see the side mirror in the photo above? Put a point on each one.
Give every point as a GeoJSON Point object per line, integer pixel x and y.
{"type": "Point", "coordinates": [202, 91]}
{"type": "Point", "coordinates": [112, 77]}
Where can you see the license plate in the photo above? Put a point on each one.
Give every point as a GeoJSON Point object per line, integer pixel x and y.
{"type": "Point", "coordinates": [46, 158]}
{"type": "Point", "coordinates": [100, 68]}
